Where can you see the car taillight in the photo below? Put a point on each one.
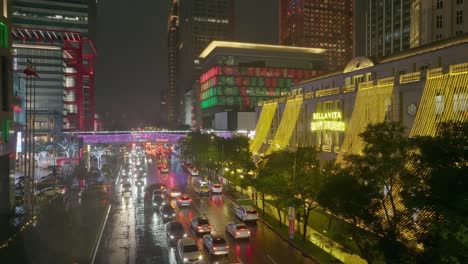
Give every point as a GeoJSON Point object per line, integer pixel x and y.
{"type": "Point", "coordinates": [198, 227]}
{"type": "Point", "coordinates": [209, 226]}
{"type": "Point", "coordinates": [226, 246]}
{"type": "Point", "coordinates": [248, 232]}
{"type": "Point", "coordinates": [238, 233]}
{"type": "Point", "coordinates": [214, 248]}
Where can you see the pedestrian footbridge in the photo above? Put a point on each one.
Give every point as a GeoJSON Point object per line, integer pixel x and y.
{"type": "Point", "coordinates": [170, 137]}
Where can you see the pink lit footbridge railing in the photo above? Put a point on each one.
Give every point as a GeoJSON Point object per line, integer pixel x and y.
{"type": "Point", "coordinates": [138, 136]}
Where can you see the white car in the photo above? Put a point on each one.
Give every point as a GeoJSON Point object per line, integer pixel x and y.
{"type": "Point", "coordinates": [216, 188]}
{"type": "Point", "coordinates": [188, 251]}
{"type": "Point", "coordinates": [247, 213]}
{"type": "Point", "coordinates": [237, 230]}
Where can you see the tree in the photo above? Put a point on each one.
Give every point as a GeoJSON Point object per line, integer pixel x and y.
{"type": "Point", "coordinates": [306, 182]}
{"type": "Point", "coordinates": [349, 198]}
{"type": "Point", "coordinates": [436, 190]}
{"type": "Point", "coordinates": [379, 167]}
{"type": "Point", "coordinates": [273, 179]}
{"type": "Point", "coordinates": [68, 147]}
{"type": "Point", "coordinates": [97, 151]}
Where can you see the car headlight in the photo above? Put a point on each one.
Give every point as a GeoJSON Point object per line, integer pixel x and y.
{"type": "Point", "coordinates": [165, 215]}
{"type": "Point", "coordinates": [172, 237]}
{"type": "Point", "coordinates": [200, 257]}
{"type": "Point", "coordinates": [173, 214]}
{"type": "Point", "coordinates": [185, 259]}
{"type": "Point", "coordinates": [185, 235]}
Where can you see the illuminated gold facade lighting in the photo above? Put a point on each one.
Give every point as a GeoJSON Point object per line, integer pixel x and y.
{"type": "Point", "coordinates": [371, 105]}
{"type": "Point", "coordinates": [287, 124]}
{"type": "Point", "coordinates": [444, 98]}
{"type": "Point", "coordinates": [263, 125]}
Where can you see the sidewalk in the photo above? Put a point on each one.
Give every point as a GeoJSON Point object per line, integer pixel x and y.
{"type": "Point", "coordinates": [326, 244]}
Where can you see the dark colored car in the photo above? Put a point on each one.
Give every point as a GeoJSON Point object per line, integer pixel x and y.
{"type": "Point", "coordinates": [158, 201]}
{"type": "Point", "coordinates": [174, 232]}
{"type": "Point", "coordinates": [167, 212]}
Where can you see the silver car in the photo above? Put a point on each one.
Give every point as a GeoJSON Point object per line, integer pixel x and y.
{"type": "Point", "coordinates": [237, 230]}
{"type": "Point", "coordinates": [188, 251]}
{"type": "Point", "coordinates": [200, 225]}
{"type": "Point", "coordinates": [216, 245]}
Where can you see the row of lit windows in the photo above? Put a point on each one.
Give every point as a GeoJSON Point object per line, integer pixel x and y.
{"type": "Point", "coordinates": [440, 3]}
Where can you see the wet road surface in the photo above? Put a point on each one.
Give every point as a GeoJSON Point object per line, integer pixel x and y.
{"type": "Point", "coordinates": [149, 238]}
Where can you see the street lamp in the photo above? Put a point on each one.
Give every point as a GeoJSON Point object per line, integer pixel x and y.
{"type": "Point", "coordinates": [291, 209]}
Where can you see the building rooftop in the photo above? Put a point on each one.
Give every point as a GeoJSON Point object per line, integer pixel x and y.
{"type": "Point", "coordinates": [259, 47]}
{"type": "Point", "coordinates": [359, 63]}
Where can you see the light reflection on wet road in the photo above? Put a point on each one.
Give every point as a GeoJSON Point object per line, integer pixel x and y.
{"type": "Point", "coordinates": [151, 245]}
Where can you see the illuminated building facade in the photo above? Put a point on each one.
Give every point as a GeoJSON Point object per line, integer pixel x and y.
{"type": "Point", "coordinates": [57, 44]}
{"type": "Point", "coordinates": [201, 22]}
{"type": "Point", "coordinates": [420, 88]}
{"type": "Point", "coordinates": [236, 76]}
{"type": "Point", "coordinates": [8, 139]}
{"type": "Point", "coordinates": [319, 24]}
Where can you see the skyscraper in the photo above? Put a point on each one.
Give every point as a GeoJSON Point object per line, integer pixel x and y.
{"type": "Point", "coordinates": [326, 24]}
{"type": "Point", "coordinates": [201, 21]}
{"type": "Point", "coordinates": [52, 34]}
{"type": "Point", "coordinates": [394, 26]}
{"type": "Point", "coordinates": [388, 24]}
{"type": "Point", "coordinates": [173, 50]}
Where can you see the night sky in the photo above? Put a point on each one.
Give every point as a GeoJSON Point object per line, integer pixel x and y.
{"type": "Point", "coordinates": [131, 66]}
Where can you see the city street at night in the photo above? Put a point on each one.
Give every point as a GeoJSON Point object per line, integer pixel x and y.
{"type": "Point", "coordinates": [233, 131]}
{"type": "Point", "coordinates": [137, 230]}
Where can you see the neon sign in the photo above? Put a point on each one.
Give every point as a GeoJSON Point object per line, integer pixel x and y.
{"type": "Point", "coordinates": [327, 121]}
{"type": "Point", "coordinates": [327, 116]}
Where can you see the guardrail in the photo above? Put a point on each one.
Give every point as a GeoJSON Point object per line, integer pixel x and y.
{"type": "Point", "coordinates": [98, 242]}
{"type": "Point", "coordinates": [104, 223]}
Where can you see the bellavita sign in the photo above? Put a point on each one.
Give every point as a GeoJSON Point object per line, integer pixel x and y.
{"type": "Point", "coordinates": [327, 121]}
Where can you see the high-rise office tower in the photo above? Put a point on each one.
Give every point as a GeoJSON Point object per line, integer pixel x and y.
{"type": "Point", "coordinates": [433, 20]}
{"type": "Point", "coordinates": [388, 24]}
{"type": "Point", "coordinates": [326, 24]}
{"type": "Point", "coordinates": [394, 26]}
{"type": "Point", "coordinates": [201, 21]}
{"type": "Point", "coordinates": [173, 50]}
{"type": "Point", "coordinates": [52, 34]}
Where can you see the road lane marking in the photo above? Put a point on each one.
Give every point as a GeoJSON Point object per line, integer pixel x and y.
{"type": "Point", "coordinates": [271, 259]}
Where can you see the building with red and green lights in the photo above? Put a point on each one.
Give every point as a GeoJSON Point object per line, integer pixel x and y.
{"type": "Point", "coordinates": [236, 76]}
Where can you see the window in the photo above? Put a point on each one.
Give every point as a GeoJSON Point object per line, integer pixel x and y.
{"type": "Point", "coordinates": [458, 32]}
{"type": "Point", "coordinates": [460, 102]}
{"type": "Point", "coordinates": [460, 17]}
{"type": "Point", "coordinates": [438, 104]}
{"type": "Point", "coordinates": [459, 2]}
{"type": "Point", "coordinates": [440, 4]}
{"type": "Point", "coordinates": [438, 36]}
{"type": "Point", "coordinates": [439, 21]}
